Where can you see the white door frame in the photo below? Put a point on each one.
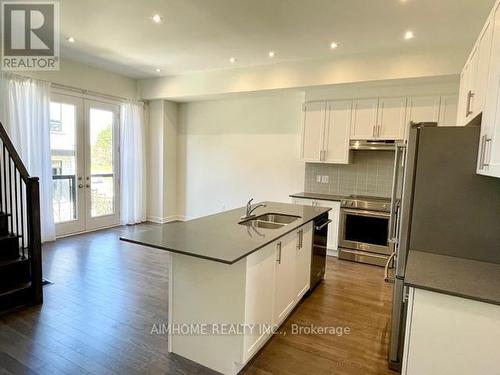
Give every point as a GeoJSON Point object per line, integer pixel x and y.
{"type": "Point", "coordinates": [84, 221]}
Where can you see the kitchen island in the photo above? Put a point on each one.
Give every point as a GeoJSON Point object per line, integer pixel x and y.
{"type": "Point", "coordinates": [233, 282]}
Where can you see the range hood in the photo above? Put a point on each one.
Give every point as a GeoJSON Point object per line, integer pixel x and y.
{"type": "Point", "coordinates": [372, 145]}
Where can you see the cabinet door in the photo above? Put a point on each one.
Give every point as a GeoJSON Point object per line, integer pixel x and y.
{"type": "Point", "coordinates": [450, 335]}
{"type": "Point", "coordinates": [391, 118]}
{"type": "Point", "coordinates": [423, 109]}
{"type": "Point", "coordinates": [313, 131]}
{"type": "Point", "coordinates": [284, 292]}
{"type": "Point", "coordinates": [364, 119]}
{"type": "Point", "coordinates": [333, 227]}
{"type": "Point", "coordinates": [489, 148]}
{"type": "Point", "coordinates": [462, 98]}
{"type": "Point", "coordinates": [259, 296]}
{"type": "Point", "coordinates": [303, 260]}
{"type": "Point", "coordinates": [448, 110]}
{"type": "Point", "coordinates": [469, 77]}
{"type": "Point", "coordinates": [482, 69]}
{"type": "Point", "coordinates": [337, 129]}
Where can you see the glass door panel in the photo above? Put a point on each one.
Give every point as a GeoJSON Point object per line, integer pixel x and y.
{"type": "Point", "coordinates": [84, 148]}
{"type": "Point", "coordinates": [101, 162]}
{"type": "Point", "coordinates": [67, 169]}
{"type": "Point", "coordinates": [102, 138]}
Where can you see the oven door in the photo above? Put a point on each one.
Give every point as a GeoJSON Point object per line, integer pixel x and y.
{"type": "Point", "coordinates": [364, 230]}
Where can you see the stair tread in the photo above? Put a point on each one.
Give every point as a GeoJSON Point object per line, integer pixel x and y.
{"type": "Point", "coordinates": [10, 235]}
{"type": "Point", "coordinates": [6, 262]}
{"type": "Point", "coordinates": [10, 289]}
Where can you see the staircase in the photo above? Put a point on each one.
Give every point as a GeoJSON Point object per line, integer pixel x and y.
{"type": "Point", "coordinates": [20, 244]}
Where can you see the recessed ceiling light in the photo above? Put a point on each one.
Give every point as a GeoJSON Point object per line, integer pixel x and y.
{"type": "Point", "coordinates": [232, 60]}
{"type": "Point", "coordinates": [409, 35]}
{"type": "Point", "coordinates": [71, 39]}
{"type": "Point", "coordinates": [333, 45]}
{"type": "Point", "coordinates": [157, 70]}
{"type": "Point", "coordinates": [157, 18]}
{"type": "Point", "coordinates": [272, 54]}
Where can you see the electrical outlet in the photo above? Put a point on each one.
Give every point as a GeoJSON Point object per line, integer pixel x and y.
{"type": "Point", "coordinates": [318, 178]}
{"type": "Point", "coordinates": [324, 179]}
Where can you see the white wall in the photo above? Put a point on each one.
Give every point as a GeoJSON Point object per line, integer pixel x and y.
{"type": "Point", "coordinates": [233, 149]}
{"type": "Point", "coordinates": [162, 161]}
{"type": "Point", "coordinates": [86, 77]}
{"type": "Point", "coordinates": [300, 74]}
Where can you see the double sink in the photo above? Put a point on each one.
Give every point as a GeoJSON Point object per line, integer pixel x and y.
{"type": "Point", "coordinates": [270, 221]}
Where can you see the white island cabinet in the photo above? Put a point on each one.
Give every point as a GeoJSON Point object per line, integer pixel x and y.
{"type": "Point", "coordinates": [450, 335]}
{"type": "Point", "coordinates": [250, 297]}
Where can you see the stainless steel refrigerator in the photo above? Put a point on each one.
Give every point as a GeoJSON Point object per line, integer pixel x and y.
{"type": "Point", "coordinates": [440, 205]}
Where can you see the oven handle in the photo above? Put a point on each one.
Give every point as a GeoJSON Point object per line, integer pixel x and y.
{"type": "Point", "coordinates": [366, 213]}
{"type": "Point", "coordinates": [319, 227]}
{"type": "Point", "coordinates": [386, 268]}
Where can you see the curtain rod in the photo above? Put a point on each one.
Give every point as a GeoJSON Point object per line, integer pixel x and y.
{"type": "Point", "coordinates": [93, 93]}
{"type": "Point", "coordinates": [79, 90]}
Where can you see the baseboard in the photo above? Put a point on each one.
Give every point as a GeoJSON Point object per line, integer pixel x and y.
{"type": "Point", "coordinates": [332, 253]}
{"type": "Point", "coordinates": [164, 220]}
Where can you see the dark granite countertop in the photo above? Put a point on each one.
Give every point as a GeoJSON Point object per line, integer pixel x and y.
{"type": "Point", "coordinates": [220, 237]}
{"type": "Point", "coordinates": [324, 197]}
{"type": "Point", "coordinates": [455, 276]}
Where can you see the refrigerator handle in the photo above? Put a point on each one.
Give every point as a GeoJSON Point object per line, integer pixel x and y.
{"type": "Point", "coordinates": [395, 177]}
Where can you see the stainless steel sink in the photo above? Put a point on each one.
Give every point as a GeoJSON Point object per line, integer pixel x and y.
{"type": "Point", "coordinates": [270, 221]}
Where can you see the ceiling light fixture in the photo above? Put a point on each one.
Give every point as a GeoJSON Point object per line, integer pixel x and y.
{"type": "Point", "coordinates": [272, 54]}
{"type": "Point", "coordinates": [232, 60]}
{"type": "Point", "coordinates": [333, 45]}
{"type": "Point", "coordinates": [71, 39]}
{"type": "Point", "coordinates": [157, 70]}
{"type": "Point", "coordinates": [157, 18]}
{"type": "Point", "coordinates": [409, 35]}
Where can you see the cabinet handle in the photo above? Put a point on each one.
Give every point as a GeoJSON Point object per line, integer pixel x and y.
{"type": "Point", "coordinates": [300, 235]}
{"type": "Point", "coordinates": [486, 141]}
{"type": "Point", "coordinates": [374, 131]}
{"type": "Point", "coordinates": [278, 245]}
{"type": "Point", "coordinates": [468, 109]}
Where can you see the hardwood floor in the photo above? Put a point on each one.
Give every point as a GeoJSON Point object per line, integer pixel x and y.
{"type": "Point", "coordinates": [98, 315]}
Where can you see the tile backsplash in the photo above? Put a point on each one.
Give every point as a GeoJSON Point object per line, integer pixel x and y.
{"type": "Point", "coordinates": [369, 173]}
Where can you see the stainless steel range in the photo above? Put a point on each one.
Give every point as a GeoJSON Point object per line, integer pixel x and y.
{"type": "Point", "coordinates": [364, 229]}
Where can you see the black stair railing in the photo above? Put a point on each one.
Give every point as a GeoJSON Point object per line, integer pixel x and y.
{"type": "Point", "coordinates": [20, 199]}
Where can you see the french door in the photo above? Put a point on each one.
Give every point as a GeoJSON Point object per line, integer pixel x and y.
{"type": "Point", "coordinates": [85, 163]}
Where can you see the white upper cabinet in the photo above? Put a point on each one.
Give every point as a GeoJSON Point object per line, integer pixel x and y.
{"type": "Point", "coordinates": [337, 128]}
{"type": "Point", "coordinates": [391, 118]}
{"type": "Point", "coordinates": [480, 83]}
{"type": "Point", "coordinates": [381, 118]}
{"type": "Point", "coordinates": [489, 146]}
{"type": "Point", "coordinates": [364, 119]}
{"type": "Point", "coordinates": [313, 131]}
{"type": "Point", "coordinates": [325, 132]}
{"type": "Point", "coordinates": [448, 110]}
{"type": "Point", "coordinates": [423, 109]}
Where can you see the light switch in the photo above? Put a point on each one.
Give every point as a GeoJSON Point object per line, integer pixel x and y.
{"type": "Point", "coordinates": [324, 179]}
{"type": "Point", "coordinates": [318, 178]}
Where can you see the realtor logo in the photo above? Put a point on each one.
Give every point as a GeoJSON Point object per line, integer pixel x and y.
{"type": "Point", "coordinates": [30, 35]}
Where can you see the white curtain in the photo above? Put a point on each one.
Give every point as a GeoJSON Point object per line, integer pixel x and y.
{"type": "Point", "coordinates": [133, 164]}
{"type": "Point", "coordinates": [24, 112]}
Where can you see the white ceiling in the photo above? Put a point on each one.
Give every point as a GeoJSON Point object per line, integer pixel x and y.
{"type": "Point", "coordinates": [201, 35]}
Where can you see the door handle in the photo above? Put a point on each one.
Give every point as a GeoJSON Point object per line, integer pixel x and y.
{"type": "Point", "coordinates": [278, 245]}
{"type": "Point", "coordinates": [386, 268]}
{"type": "Point", "coordinates": [80, 186]}
{"type": "Point", "coordinates": [87, 185]}
{"type": "Point", "coordinates": [319, 227]}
